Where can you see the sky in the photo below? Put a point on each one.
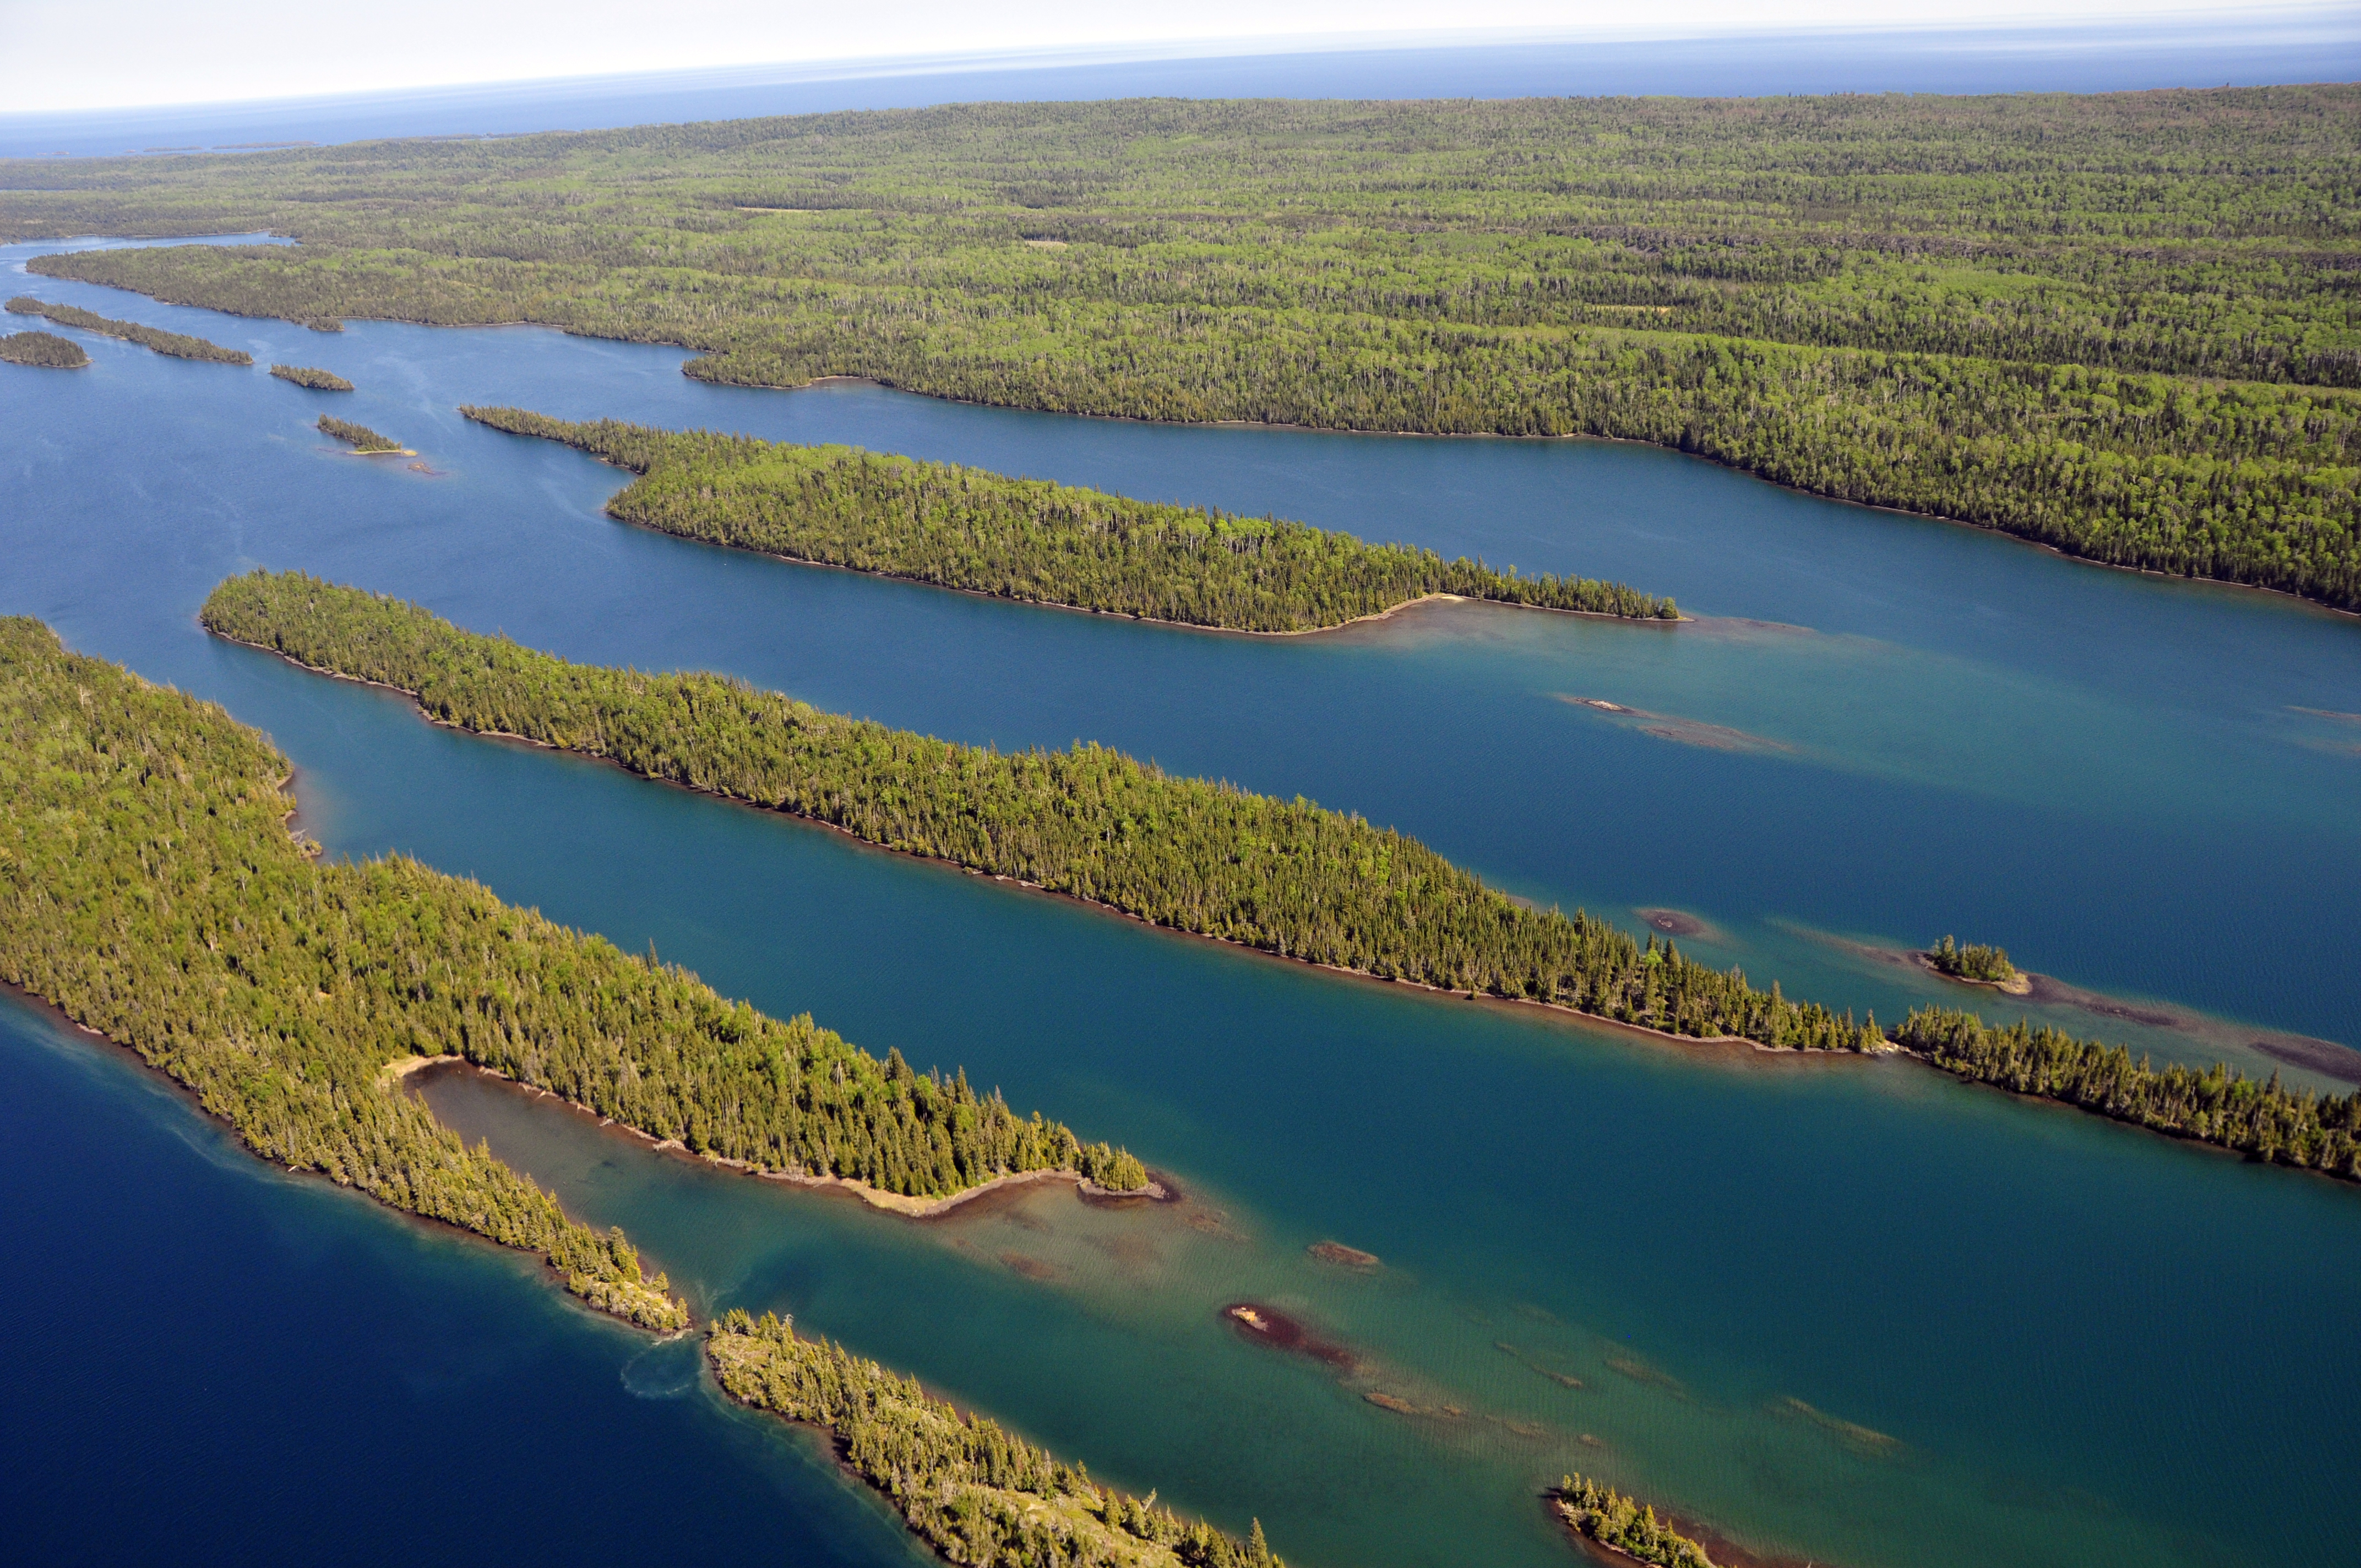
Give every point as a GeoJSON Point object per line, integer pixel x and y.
{"type": "Point", "coordinates": [63, 55]}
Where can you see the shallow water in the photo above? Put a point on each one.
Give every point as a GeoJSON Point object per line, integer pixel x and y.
{"type": "Point", "coordinates": [2089, 1345]}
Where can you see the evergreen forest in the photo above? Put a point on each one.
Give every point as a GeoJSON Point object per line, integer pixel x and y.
{"type": "Point", "coordinates": [1974, 961]}
{"type": "Point", "coordinates": [959, 527]}
{"type": "Point", "coordinates": [975, 1492]}
{"type": "Point", "coordinates": [364, 441]}
{"type": "Point", "coordinates": [314, 379]}
{"type": "Point", "coordinates": [178, 344]}
{"type": "Point", "coordinates": [42, 348]}
{"type": "Point", "coordinates": [2121, 324]}
{"type": "Point", "coordinates": [1286, 877]}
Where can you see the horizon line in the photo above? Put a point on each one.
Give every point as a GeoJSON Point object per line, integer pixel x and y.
{"type": "Point", "coordinates": [2190, 26]}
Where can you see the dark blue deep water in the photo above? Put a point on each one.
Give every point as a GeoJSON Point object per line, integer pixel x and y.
{"type": "Point", "coordinates": [1846, 1311]}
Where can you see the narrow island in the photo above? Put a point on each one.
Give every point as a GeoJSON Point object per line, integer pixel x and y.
{"type": "Point", "coordinates": [956, 527]}
{"type": "Point", "coordinates": [149, 890]}
{"type": "Point", "coordinates": [1624, 1525]}
{"type": "Point", "coordinates": [365, 441]}
{"type": "Point", "coordinates": [1285, 877]}
{"type": "Point", "coordinates": [42, 348]}
{"type": "Point", "coordinates": [316, 381]}
{"type": "Point", "coordinates": [178, 344]}
{"type": "Point", "coordinates": [965, 1485]}
{"type": "Point", "coordinates": [1977, 965]}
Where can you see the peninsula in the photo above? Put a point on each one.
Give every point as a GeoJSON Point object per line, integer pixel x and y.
{"type": "Point", "coordinates": [1289, 878]}
{"type": "Point", "coordinates": [2024, 311]}
{"type": "Point", "coordinates": [42, 348]}
{"type": "Point", "coordinates": [365, 441]}
{"type": "Point", "coordinates": [965, 1485]}
{"type": "Point", "coordinates": [957, 527]}
{"type": "Point", "coordinates": [178, 344]}
{"type": "Point", "coordinates": [315, 380]}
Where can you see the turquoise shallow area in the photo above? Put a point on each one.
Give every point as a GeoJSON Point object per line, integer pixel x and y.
{"type": "Point", "coordinates": [2084, 1344]}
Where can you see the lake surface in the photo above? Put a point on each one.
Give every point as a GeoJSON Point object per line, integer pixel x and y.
{"type": "Point", "coordinates": [1844, 1309]}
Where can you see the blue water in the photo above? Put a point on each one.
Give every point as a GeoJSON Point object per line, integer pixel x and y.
{"type": "Point", "coordinates": [2090, 1346]}
{"type": "Point", "coordinates": [2248, 48]}
{"type": "Point", "coordinates": [210, 1360]}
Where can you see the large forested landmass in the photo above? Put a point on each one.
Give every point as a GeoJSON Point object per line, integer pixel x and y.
{"type": "Point", "coordinates": [2122, 324]}
{"type": "Point", "coordinates": [1287, 877]}
{"type": "Point", "coordinates": [2264, 1121]}
{"type": "Point", "coordinates": [42, 348]}
{"type": "Point", "coordinates": [1624, 1525]}
{"type": "Point", "coordinates": [365, 441]}
{"type": "Point", "coordinates": [1284, 876]}
{"type": "Point", "coordinates": [178, 344]}
{"type": "Point", "coordinates": [957, 527]}
{"type": "Point", "coordinates": [313, 380]}
{"type": "Point", "coordinates": [976, 1493]}
{"type": "Point", "coordinates": [149, 889]}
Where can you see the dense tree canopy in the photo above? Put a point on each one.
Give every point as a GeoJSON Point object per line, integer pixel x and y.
{"type": "Point", "coordinates": [42, 348]}
{"type": "Point", "coordinates": [312, 380]}
{"type": "Point", "coordinates": [2122, 325]}
{"type": "Point", "coordinates": [975, 1492]}
{"type": "Point", "coordinates": [1028, 539]}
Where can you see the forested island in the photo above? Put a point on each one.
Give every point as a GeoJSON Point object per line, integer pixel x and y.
{"type": "Point", "coordinates": [42, 348]}
{"type": "Point", "coordinates": [2116, 324]}
{"type": "Point", "coordinates": [1977, 962]}
{"type": "Point", "coordinates": [957, 527]}
{"type": "Point", "coordinates": [965, 1487]}
{"type": "Point", "coordinates": [1283, 876]}
{"type": "Point", "coordinates": [365, 441]}
{"type": "Point", "coordinates": [178, 344]}
{"type": "Point", "coordinates": [314, 379]}
{"type": "Point", "coordinates": [1286, 877]}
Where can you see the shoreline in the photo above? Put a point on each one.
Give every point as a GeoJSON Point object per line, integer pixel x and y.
{"type": "Point", "coordinates": [1435, 597]}
{"type": "Point", "coordinates": [877, 1197]}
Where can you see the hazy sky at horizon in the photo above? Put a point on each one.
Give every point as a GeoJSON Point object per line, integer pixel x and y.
{"type": "Point", "coordinates": [63, 55]}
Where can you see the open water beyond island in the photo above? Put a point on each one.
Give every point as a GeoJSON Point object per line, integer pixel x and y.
{"type": "Point", "coordinates": [1842, 1311]}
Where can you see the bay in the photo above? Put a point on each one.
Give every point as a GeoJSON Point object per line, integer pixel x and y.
{"type": "Point", "coordinates": [2085, 1344]}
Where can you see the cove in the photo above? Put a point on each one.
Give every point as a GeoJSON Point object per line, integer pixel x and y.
{"type": "Point", "coordinates": [2085, 1340]}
